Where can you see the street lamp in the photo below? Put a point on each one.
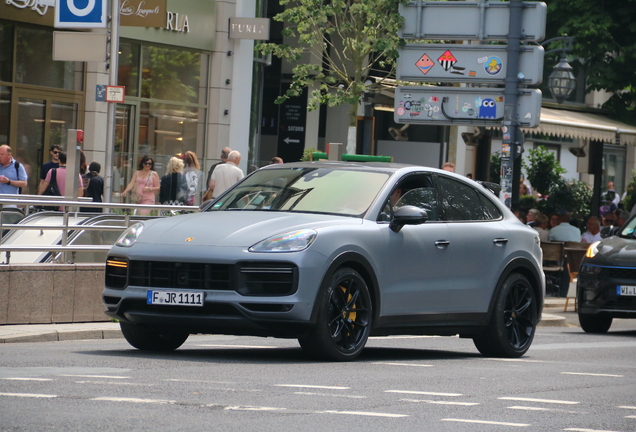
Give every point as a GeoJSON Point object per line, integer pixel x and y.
{"type": "Point", "coordinates": [561, 81]}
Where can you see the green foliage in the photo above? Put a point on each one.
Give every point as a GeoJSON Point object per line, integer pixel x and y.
{"type": "Point", "coordinates": [338, 44]}
{"type": "Point", "coordinates": [307, 154]}
{"type": "Point", "coordinates": [494, 174]}
{"type": "Point", "coordinates": [630, 196]}
{"type": "Point", "coordinates": [526, 202]}
{"type": "Point", "coordinates": [605, 41]}
{"type": "Point", "coordinates": [166, 73]}
{"type": "Point", "coordinates": [575, 197]}
{"type": "Point", "coordinates": [543, 169]}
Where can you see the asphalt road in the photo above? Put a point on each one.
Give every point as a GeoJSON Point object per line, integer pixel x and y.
{"type": "Point", "coordinates": [567, 381]}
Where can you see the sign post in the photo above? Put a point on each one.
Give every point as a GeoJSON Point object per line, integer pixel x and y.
{"type": "Point", "coordinates": [508, 67]}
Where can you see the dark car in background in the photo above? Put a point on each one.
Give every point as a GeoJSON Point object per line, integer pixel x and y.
{"type": "Point", "coordinates": [606, 287]}
{"type": "Point", "coordinates": [330, 254]}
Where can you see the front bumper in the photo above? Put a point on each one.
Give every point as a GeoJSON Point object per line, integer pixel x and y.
{"type": "Point", "coordinates": [597, 293]}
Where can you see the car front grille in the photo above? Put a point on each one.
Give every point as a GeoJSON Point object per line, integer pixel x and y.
{"type": "Point", "coordinates": [619, 273]}
{"type": "Point", "coordinates": [247, 278]}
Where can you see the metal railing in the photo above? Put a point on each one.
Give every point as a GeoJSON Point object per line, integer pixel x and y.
{"type": "Point", "coordinates": [70, 209]}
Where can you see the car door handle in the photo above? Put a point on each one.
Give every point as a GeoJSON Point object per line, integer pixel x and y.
{"type": "Point", "coordinates": [500, 241]}
{"type": "Point", "coordinates": [440, 244]}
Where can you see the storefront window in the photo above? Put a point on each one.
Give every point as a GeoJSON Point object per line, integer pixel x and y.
{"type": "Point", "coordinates": [169, 130]}
{"type": "Point", "coordinates": [6, 51]}
{"type": "Point", "coordinates": [5, 112]}
{"type": "Point", "coordinates": [173, 74]}
{"type": "Point", "coordinates": [128, 75]}
{"type": "Point", "coordinates": [35, 65]}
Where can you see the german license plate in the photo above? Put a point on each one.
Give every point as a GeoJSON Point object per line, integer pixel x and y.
{"type": "Point", "coordinates": [626, 290]}
{"type": "Point", "coordinates": [174, 298]}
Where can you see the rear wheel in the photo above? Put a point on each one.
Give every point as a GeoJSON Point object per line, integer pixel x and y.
{"type": "Point", "coordinates": [513, 322]}
{"type": "Point", "coordinates": [150, 340]}
{"type": "Point", "coordinates": [595, 323]}
{"type": "Point", "coordinates": [344, 318]}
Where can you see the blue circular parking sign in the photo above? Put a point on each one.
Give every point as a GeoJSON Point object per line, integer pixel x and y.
{"type": "Point", "coordinates": [81, 13]}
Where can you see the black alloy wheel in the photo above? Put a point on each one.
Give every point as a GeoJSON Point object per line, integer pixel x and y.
{"type": "Point", "coordinates": [514, 320]}
{"type": "Point", "coordinates": [344, 318]}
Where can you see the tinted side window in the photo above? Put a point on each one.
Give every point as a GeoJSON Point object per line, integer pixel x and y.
{"type": "Point", "coordinates": [460, 202]}
{"type": "Point", "coordinates": [492, 211]}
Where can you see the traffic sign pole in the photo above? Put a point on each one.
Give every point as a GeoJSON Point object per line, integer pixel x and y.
{"type": "Point", "coordinates": [513, 136]}
{"type": "Point", "coordinates": [113, 67]}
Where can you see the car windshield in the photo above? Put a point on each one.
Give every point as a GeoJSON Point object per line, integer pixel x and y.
{"type": "Point", "coordinates": [305, 190]}
{"type": "Point", "coordinates": [629, 229]}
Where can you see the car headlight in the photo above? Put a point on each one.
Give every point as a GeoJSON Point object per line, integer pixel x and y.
{"type": "Point", "coordinates": [592, 250]}
{"type": "Point", "coordinates": [129, 237]}
{"type": "Point", "coordinates": [294, 241]}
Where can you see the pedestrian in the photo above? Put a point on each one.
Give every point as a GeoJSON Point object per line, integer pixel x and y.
{"type": "Point", "coordinates": [58, 177]}
{"type": "Point", "coordinates": [621, 218]}
{"type": "Point", "coordinates": [55, 152]}
{"type": "Point", "coordinates": [224, 154]}
{"type": "Point", "coordinates": [146, 183]}
{"type": "Point", "coordinates": [554, 221]}
{"type": "Point", "coordinates": [532, 216]}
{"type": "Point", "coordinates": [94, 187]}
{"type": "Point", "coordinates": [276, 160]}
{"type": "Point", "coordinates": [226, 175]}
{"type": "Point", "coordinates": [13, 175]}
{"type": "Point", "coordinates": [193, 178]}
{"type": "Point", "coordinates": [593, 233]}
{"type": "Point", "coordinates": [564, 231]}
{"type": "Point", "coordinates": [448, 166]}
{"type": "Point", "coordinates": [173, 189]}
{"type": "Point", "coordinates": [541, 222]}
{"type": "Point", "coordinates": [609, 200]}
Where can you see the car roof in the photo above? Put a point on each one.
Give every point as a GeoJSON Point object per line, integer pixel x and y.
{"type": "Point", "coordinates": [371, 166]}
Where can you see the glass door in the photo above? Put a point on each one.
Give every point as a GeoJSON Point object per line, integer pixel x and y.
{"type": "Point", "coordinates": [40, 120]}
{"type": "Point", "coordinates": [124, 162]}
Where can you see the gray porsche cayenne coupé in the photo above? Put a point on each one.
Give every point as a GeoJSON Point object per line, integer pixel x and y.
{"type": "Point", "coordinates": [331, 253]}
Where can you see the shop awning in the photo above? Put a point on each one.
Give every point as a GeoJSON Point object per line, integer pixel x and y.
{"type": "Point", "coordinates": [572, 124]}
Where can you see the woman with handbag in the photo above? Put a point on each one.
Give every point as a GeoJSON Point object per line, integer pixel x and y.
{"type": "Point", "coordinates": [146, 183]}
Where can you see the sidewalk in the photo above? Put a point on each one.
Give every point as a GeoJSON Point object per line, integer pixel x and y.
{"type": "Point", "coordinates": [553, 316]}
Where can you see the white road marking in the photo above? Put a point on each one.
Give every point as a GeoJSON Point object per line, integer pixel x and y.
{"type": "Point", "coordinates": [402, 364]}
{"type": "Point", "coordinates": [133, 400]}
{"type": "Point", "coordinates": [514, 360]}
{"type": "Point", "coordinates": [312, 386]}
{"type": "Point", "coordinates": [330, 395]}
{"type": "Point", "coordinates": [236, 346]}
{"type": "Point", "coordinates": [630, 416]}
{"type": "Point", "coordinates": [552, 401]}
{"type": "Point", "coordinates": [487, 422]}
{"type": "Point", "coordinates": [119, 383]}
{"type": "Point", "coordinates": [28, 379]}
{"type": "Point", "coordinates": [423, 393]}
{"type": "Point", "coordinates": [592, 374]}
{"type": "Point", "coordinates": [31, 395]}
{"type": "Point", "coordinates": [627, 407]}
{"type": "Point", "coordinates": [587, 430]}
{"type": "Point", "coordinates": [252, 408]}
{"type": "Point", "coordinates": [441, 402]}
{"type": "Point", "coordinates": [527, 408]}
{"type": "Point", "coordinates": [200, 381]}
{"type": "Point", "coordinates": [364, 413]}
{"type": "Point", "coordinates": [95, 376]}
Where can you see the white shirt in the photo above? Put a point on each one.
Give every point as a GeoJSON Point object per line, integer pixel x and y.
{"type": "Point", "coordinates": [225, 176]}
{"type": "Point", "coordinates": [588, 237]}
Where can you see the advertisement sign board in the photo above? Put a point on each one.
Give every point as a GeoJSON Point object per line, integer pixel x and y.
{"type": "Point", "coordinates": [463, 106]}
{"type": "Point", "coordinates": [467, 63]}
{"type": "Point", "coordinates": [81, 14]}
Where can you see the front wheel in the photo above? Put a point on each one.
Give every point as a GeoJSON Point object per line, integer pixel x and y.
{"type": "Point", "coordinates": [594, 323]}
{"type": "Point", "coordinates": [513, 322]}
{"type": "Point", "coordinates": [344, 318]}
{"type": "Point", "coordinates": [150, 340]}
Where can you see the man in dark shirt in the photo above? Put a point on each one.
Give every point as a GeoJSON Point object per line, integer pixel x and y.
{"type": "Point", "coordinates": [224, 153]}
{"type": "Point", "coordinates": [55, 152]}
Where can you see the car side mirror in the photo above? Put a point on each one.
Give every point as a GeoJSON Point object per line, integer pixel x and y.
{"type": "Point", "coordinates": [407, 215]}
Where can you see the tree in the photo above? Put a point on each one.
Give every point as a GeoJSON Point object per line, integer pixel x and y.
{"type": "Point", "coordinates": [543, 169]}
{"type": "Point", "coordinates": [339, 43]}
{"type": "Point", "coordinates": [605, 41]}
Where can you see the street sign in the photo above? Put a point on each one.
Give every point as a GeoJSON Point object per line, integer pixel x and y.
{"type": "Point", "coordinates": [466, 63]}
{"type": "Point", "coordinates": [81, 14]}
{"type": "Point", "coordinates": [463, 106]}
{"type": "Point", "coordinates": [115, 94]}
{"type": "Point", "coordinates": [469, 20]}
{"type": "Point", "coordinates": [79, 46]}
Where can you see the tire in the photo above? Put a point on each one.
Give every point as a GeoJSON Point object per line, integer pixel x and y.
{"type": "Point", "coordinates": [345, 315]}
{"type": "Point", "coordinates": [513, 322]}
{"type": "Point", "coordinates": [149, 340]}
{"type": "Point", "coordinates": [594, 323]}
